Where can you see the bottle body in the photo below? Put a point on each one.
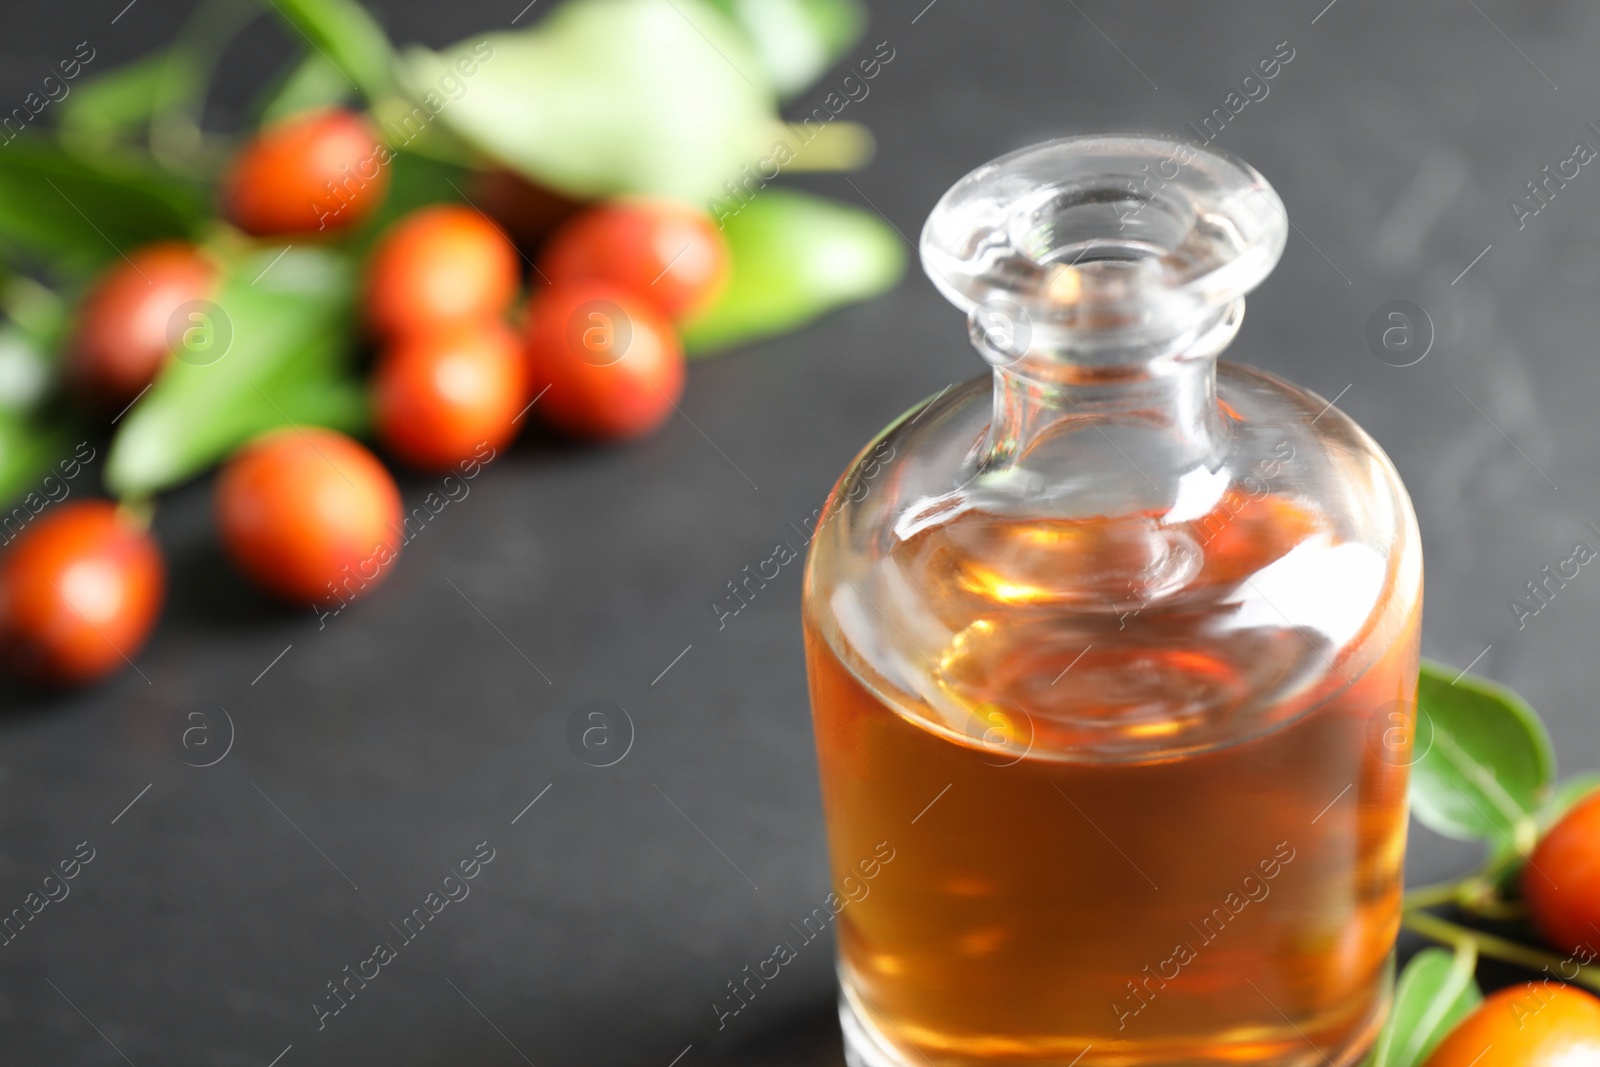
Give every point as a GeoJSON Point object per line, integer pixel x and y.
{"type": "Point", "coordinates": [1022, 929]}
{"type": "Point", "coordinates": [1127, 829]}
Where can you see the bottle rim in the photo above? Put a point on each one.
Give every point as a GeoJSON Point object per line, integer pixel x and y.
{"type": "Point", "coordinates": [1094, 248]}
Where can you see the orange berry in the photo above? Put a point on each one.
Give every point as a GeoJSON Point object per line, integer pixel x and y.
{"type": "Point", "coordinates": [1561, 882]}
{"type": "Point", "coordinates": [440, 266]}
{"type": "Point", "coordinates": [122, 338]}
{"type": "Point", "coordinates": [79, 593]}
{"type": "Point", "coordinates": [667, 253]}
{"type": "Point", "coordinates": [309, 515]}
{"type": "Point", "coordinates": [439, 398]}
{"type": "Point", "coordinates": [612, 364]}
{"type": "Point", "coordinates": [310, 173]}
{"type": "Point", "coordinates": [1540, 1024]}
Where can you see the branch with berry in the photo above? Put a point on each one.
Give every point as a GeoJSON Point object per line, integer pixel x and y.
{"type": "Point", "coordinates": [1484, 769]}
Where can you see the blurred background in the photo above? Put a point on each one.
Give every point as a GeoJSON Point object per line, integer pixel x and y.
{"type": "Point", "coordinates": [372, 753]}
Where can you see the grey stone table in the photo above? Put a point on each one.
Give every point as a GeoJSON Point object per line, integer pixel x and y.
{"type": "Point", "coordinates": [372, 756]}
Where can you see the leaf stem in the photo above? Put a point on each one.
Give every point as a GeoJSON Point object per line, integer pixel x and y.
{"type": "Point", "coordinates": [175, 137]}
{"type": "Point", "coordinates": [1477, 895]}
{"type": "Point", "coordinates": [140, 511]}
{"type": "Point", "coordinates": [1495, 909]}
{"type": "Point", "coordinates": [1499, 948]}
{"type": "Point", "coordinates": [834, 147]}
{"type": "Point", "coordinates": [1429, 896]}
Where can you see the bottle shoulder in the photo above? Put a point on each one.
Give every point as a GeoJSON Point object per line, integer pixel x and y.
{"type": "Point", "coordinates": [1276, 439]}
{"type": "Point", "coordinates": [1223, 588]}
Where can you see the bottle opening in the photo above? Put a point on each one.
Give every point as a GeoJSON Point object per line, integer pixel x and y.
{"type": "Point", "coordinates": [1102, 250]}
{"type": "Point", "coordinates": [1097, 224]}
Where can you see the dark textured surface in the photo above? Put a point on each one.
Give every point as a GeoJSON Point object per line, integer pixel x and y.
{"type": "Point", "coordinates": [417, 725]}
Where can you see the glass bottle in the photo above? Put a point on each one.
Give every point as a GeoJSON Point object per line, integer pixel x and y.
{"type": "Point", "coordinates": [1113, 653]}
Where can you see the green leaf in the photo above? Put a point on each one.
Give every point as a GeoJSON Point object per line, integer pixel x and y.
{"type": "Point", "coordinates": [1488, 762]}
{"type": "Point", "coordinates": [117, 105]}
{"type": "Point", "coordinates": [30, 341]}
{"type": "Point", "coordinates": [27, 369]}
{"type": "Point", "coordinates": [346, 34]}
{"type": "Point", "coordinates": [36, 309]}
{"type": "Point", "coordinates": [1436, 991]}
{"type": "Point", "coordinates": [152, 108]}
{"type": "Point", "coordinates": [796, 40]}
{"type": "Point", "coordinates": [29, 448]}
{"type": "Point", "coordinates": [287, 363]}
{"type": "Point", "coordinates": [79, 214]}
{"type": "Point", "coordinates": [314, 82]}
{"type": "Point", "coordinates": [605, 97]}
{"type": "Point", "coordinates": [342, 404]}
{"type": "Point", "coordinates": [795, 257]}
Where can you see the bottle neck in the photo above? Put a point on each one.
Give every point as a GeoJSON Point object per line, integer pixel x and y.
{"type": "Point", "coordinates": [1162, 400]}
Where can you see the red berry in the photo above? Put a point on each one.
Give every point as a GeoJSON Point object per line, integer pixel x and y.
{"type": "Point", "coordinates": [441, 397]}
{"type": "Point", "coordinates": [313, 172]}
{"type": "Point", "coordinates": [1540, 1024]}
{"type": "Point", "coordinates": [309, 515]}
{"type": "Point", "coordinates": [1561, 882]}
{"type": "Point", "coordinates": [440, 266]}
{"type": "Point", "coordinates": [612, 364]}
{"type": "Point", "coordinates": [125, 323]}
{"type": "Point", "coordinates": [79, 593]}
{"type": "Point", "coordinates": [667, 253]}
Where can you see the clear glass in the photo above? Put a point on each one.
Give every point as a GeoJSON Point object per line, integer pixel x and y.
{"type": "Point", "coordinates": [1113, 653]}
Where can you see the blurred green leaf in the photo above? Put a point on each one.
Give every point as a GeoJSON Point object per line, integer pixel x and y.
{"type": "Point", "coordinates": [36, 309]}
{"type": "Point", "coordinates": [286, 364]}
{"type": "Point", "coordinates": [603, 97]}
{"type": "Point", "coordinates": [30, 341]}
{"type": "Point", "coordinates": [1488, 763]}
{"type": "Point", "coordinates": [27, 370]}
{"type": "Point", "coordinates": [796, 40]}
{"type": "Point", "coordinates": [339, 403]}
{"type": "Point", "coordinates": [29, 448]}
{"type": "Point", "coordinates": [314, 82]}
{"type": "Point", "coordinates": [346, 35]}
{"type": "Point", "coordinates": [152, 108]}
{"type": "Point", "coordinates": [78, 214]}
{"type": "Point", "coordinates": [1436, 991]}
{"type": "Point", "coordinates": [795, 257]}
{"type": "Point", "coordinates": [117, 106]}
